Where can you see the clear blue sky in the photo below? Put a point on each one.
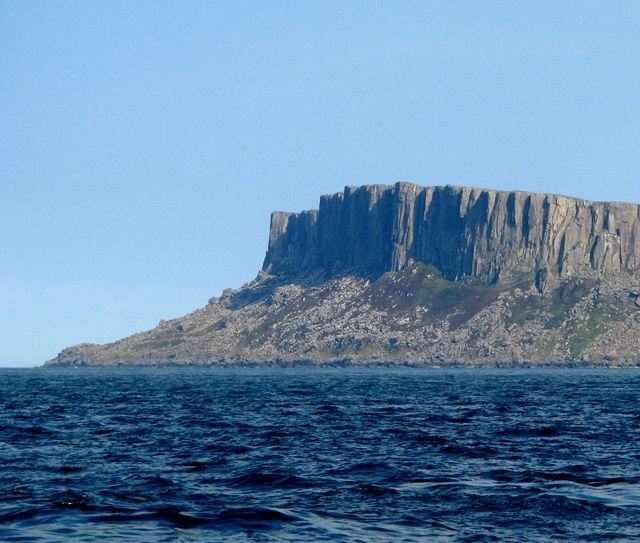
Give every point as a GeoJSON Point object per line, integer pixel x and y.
{"type": "Point", "coordinates": [143, 145]}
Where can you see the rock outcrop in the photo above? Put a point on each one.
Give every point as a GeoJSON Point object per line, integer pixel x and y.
{"type": "Point", "coordinates": [406, 274]}
{"type": "Point", "coordinates": [489, 234]}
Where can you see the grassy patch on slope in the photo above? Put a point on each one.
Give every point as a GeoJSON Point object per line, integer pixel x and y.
{"type": "Point", "coordinates": [424, 286]}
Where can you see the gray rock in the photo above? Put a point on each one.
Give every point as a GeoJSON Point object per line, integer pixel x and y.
{"type": "Point", "coordinates": [462, 231]}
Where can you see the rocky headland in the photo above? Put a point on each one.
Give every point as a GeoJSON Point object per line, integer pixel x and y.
{"type": "Point", "coordinates": [406, 274]}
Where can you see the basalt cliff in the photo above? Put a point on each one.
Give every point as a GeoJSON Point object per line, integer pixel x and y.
{"type": "Point", "coordinates": [406, 274]}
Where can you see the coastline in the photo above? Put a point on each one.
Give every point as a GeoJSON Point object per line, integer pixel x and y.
{"type": "Point", "coordinates": [346, 364]}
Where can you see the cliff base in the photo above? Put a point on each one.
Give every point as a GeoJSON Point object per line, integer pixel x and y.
{"type": "Point", "coordinates": [412, 316]}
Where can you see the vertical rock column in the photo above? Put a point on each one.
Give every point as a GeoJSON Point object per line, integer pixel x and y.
{"type": "Point", "coordinates": [461, 231]}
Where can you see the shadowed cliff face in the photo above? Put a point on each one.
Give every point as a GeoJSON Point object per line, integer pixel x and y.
{"type": "Point", "coordinates": [492, 235]}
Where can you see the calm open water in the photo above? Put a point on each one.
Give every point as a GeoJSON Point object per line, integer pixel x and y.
{"type": "Point", "coordinates": [319, 455]}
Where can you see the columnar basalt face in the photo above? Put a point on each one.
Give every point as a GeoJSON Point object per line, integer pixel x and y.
{"type": "Point", "coordinates": [462, 231]}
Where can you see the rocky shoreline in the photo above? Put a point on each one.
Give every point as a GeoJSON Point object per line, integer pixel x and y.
{"type": "Point", "coordinates": [408, 317]}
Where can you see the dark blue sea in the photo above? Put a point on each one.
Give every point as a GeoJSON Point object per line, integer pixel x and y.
{"type": "Point", "coordinates": [319, 455]}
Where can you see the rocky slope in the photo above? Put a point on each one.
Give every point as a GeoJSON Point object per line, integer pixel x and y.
{"type": "Point", "coordinates": [420, 275]}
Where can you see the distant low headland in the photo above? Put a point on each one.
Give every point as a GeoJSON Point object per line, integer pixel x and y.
{"type": "Point", "coordinates": [413, 275]}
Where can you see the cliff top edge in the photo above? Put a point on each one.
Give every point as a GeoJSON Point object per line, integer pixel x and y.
{"type": "Point", "coordinates": [455, 187]}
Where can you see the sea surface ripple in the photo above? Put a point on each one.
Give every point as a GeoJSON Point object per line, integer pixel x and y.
{"type": "Point", "coordinates": [319, 455]}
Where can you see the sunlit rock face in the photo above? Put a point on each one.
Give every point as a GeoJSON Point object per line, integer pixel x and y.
{"type": "Point", "coordinates": [462, 231]}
